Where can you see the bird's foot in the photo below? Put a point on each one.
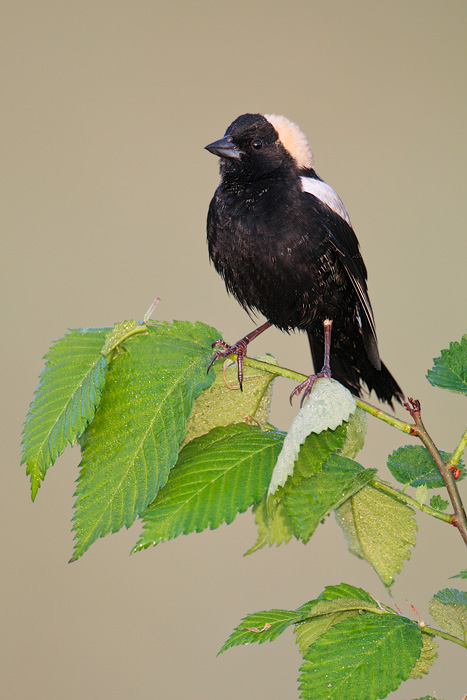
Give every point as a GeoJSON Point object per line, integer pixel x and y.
{"type": "Point", "coordinates": [238, 349]}
{"type": "Point", "coordinates": [307, 385]}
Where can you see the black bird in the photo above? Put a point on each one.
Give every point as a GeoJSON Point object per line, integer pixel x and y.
{"type": "Point", "coordinates": [282, 241]}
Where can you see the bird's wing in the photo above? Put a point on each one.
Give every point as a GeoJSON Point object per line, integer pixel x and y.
{"type": "Point", "coordinates": [325, 194]}
{"type": "Point", "coordinates": [354, 271]}
{"type": "Point", "coordinates": [344, 241]}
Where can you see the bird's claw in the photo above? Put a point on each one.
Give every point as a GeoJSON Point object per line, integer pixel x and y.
{"type": "Point", "coordinates": [238, 349]}
{"type": "Point", "coordinates": [308, 384]}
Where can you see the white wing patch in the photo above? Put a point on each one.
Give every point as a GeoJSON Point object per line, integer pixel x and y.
{"type": "Point", "coordinates": [326, 195]}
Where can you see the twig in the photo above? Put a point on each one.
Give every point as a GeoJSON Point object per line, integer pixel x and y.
{"type": "Point", "coordinates": [418, 429]}
{"type": "Point", "coordinates": [148, 313]}
{"type": "Point", "coordinates": [382, 415]}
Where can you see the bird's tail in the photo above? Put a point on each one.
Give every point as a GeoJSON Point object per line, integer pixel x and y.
{"type": "Point", "coordinates": [351, 366]}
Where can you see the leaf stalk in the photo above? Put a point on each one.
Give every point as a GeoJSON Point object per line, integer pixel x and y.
{"type": "Point", "coordinates": [458, 452]}
{"type": "Point", "coordinates": [405, 498]}
{"type": "Point", "coordinates": [444, 635]}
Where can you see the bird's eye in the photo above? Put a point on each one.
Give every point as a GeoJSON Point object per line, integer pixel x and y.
{"type": "Point", "coordinates": [257, 144]}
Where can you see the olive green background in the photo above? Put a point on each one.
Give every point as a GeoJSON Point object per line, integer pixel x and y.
{"type": "Point", "coordinates": [106, 108]}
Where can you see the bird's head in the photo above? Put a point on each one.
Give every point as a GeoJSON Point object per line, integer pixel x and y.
{"type": "Point", "coordinates": [255, 145]}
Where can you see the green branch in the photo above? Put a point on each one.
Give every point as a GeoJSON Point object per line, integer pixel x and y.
{"type": "Point", "coordinates": [391, 491]}
{"type": "Point", "coordinates": [273, 369]}
{"type": "Point", "coordinates": [386, 417]}
{"type": "Point", "coordinates": [298, 377]}
{"type": "Point", "coordinates": [458, 452]}
{"type": "Point", "coordinates": [444, 635]}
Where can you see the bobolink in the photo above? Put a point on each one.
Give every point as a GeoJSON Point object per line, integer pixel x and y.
{"type": "Point", "coordinates": [282, 241]}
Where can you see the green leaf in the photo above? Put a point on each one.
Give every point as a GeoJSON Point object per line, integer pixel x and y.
{"type": "Point", "coordinates": [307, 632]}
{"type": "Point", "coordinates": [271, 515]}
{"type": "Point", "coordinates": [450, 370]}
{"type": "Point", "coordinates": [223, 403]}
{"type": "Point", "coordinates": [133, 441]}
{"type": "Point", "coordinates": [322, 614]}
{"type": "Point", "coordinates": [315, 452]}
{"type": "Point", "coordinates": [380, 529]}
{"type": "Point", "coordinates": [345, 590]}
{"type": "Point", "coordinates": [274, 523]}
{"type": "Point", "coordinates": [269, 624]}
{"type": "Point", "coordinates": [217, 476]}
{"type": "Point", "coordinates": [339, 598]}
{"type": "Point", "coordinates": [321, 606]}
{"type": "Point", "coordinates": [314, 498]}
{"type": "Point", "coordinates": [461, 574]}
{"type": "Point", "coordinates": [329, 405]}
{"type": "Point", "coordinates": [438, 503]}
{"type": "Point", "coordinates": [121, 332]}
{"type": "Point", "coordinates": [65, 401]}
{"type": "Point", "coordinates": [273, 527]}
{"type": "Point", "coordinates": [355, 434]}
{"type": "Point", "coordinates": [449, 608]}
{"type": "Point", "coordinates": [421, 494]}
{"type": "Point", "coordinates": [413, 465]}
{"type": "Point", "coordinates": [261, 627]}
{"type": "Point", "coordinates": [362, 658]}
{"type": "Point", "coordinates": [427, 656]}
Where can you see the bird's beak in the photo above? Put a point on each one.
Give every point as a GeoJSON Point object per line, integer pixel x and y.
{"type": "Point", "coordinates": [224, 148]}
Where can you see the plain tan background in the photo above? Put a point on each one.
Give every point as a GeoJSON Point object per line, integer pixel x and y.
{"type": "Point", "coordinates": [106, 108]}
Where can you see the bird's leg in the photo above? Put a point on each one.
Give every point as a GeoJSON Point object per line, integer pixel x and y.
{"type": "Point", "coordinates": [238, 349]}
{"type": "Point", "coordinates": [326, 368]}
{"type": "Point", "coordinates": [325, 371]}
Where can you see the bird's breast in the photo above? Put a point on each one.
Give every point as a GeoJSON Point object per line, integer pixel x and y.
{"type": "Point", "coordinates": [272, 255]}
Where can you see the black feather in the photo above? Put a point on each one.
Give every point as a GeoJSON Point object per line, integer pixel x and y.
{"type": "Point", "coordinates": [286, 253]}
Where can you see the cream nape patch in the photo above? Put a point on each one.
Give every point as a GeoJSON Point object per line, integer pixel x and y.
{"type": "Point", "coordinates": [293, 139]}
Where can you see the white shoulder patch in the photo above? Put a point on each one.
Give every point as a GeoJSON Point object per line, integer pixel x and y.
{"type": "Point", "coordinates": [293, 139]}
{"type": "Point", "coordinates": [325, 194]}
